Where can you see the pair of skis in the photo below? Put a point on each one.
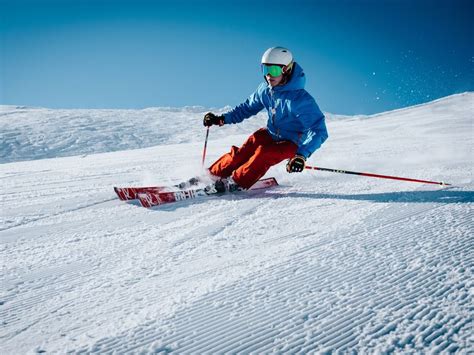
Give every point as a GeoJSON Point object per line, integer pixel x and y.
{"type": "Point", "coordinates": [159, 195]}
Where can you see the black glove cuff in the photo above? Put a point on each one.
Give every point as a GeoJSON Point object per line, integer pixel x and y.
{"type": "Point", "coordinates": [220, 120]}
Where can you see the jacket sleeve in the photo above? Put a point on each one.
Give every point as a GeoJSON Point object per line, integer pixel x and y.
{"type": "Point", "coordinates": [250, 107]}
{"type": "Point", "coordinates": [314, 128]}
{"type": "Point", "coordinates": [313, 139]}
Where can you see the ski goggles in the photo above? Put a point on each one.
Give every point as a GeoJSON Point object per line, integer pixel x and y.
{"type": "Point", "coordinates": [273, 70]}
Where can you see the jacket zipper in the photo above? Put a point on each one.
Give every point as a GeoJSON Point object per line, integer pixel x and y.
{"type": "Point", "coordinates": [273, 110]}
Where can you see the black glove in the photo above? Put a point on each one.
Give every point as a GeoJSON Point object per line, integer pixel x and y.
{"type": "Point", "coordinates": [296, 164]}
{"type": "Point", "coordinates": [211, 119]}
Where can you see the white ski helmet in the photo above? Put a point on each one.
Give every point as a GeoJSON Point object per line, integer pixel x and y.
{"type": "Point", "coordinates": [277, 55]}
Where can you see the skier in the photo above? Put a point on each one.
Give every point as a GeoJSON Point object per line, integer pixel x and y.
{"type": "Point", "coordinates": [295, 126]}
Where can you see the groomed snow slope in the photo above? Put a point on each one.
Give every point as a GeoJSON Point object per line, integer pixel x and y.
{"type": "Point", "coordinates": [324, 262]}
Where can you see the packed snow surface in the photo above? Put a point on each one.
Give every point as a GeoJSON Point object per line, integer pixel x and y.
{"type": "Point", "coordinates": [324, 262]}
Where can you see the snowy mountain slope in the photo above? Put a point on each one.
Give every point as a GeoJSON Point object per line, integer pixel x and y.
{"type": "Point", "coordinates": [39, 133]}
{"type": "Point", "coordinates": [324, 262]}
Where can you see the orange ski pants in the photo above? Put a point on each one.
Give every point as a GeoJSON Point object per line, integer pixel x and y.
{"type": "Point", "coordinates": [252, 160]}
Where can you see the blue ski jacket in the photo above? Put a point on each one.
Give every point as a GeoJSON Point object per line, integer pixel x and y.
{"type": "Point", "coordinates": [293, 114]}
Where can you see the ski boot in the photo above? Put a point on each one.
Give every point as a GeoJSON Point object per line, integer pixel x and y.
{"type": "Point", "coordinates": [227, 185]}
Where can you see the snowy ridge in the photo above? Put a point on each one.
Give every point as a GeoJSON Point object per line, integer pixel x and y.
{"type": "Point", "coordinates": [323, 263]}
{"type": "Point", "coordinates": [39, 133]}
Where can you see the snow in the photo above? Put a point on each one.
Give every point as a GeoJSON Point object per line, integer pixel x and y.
{"type": "Point", "coordinates": [326, 262]}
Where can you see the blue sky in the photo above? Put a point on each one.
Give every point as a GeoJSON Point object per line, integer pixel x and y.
{"type": "Point", "coordinates": [363, 56]}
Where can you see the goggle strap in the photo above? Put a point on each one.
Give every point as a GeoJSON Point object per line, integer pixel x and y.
{"type": "Point", "coordinates": [288, 67]}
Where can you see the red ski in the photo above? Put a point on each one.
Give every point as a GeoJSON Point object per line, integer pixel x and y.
{"type": "Point", "coordinates": [131, 193]}
{"type": "Point", "coordinates": [150, 198]}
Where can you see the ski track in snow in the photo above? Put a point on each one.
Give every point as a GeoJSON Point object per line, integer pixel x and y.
{"type": "Point", "coordinates": [326, 306]}
{"type": "Point", "coordinates": [323, 263]}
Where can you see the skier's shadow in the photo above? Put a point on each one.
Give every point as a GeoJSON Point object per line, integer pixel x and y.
{"type": "Point", "coordinates": [435, 196]}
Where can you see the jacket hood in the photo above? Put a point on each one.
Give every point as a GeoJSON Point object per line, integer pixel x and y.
{"type": "Point", "coordinates": [297, 80]}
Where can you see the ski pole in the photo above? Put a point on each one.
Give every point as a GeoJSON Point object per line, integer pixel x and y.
{"type": "Point", "coordinates": [376, 175]}
{"type": "Point", "coordinates": [205, 146]}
